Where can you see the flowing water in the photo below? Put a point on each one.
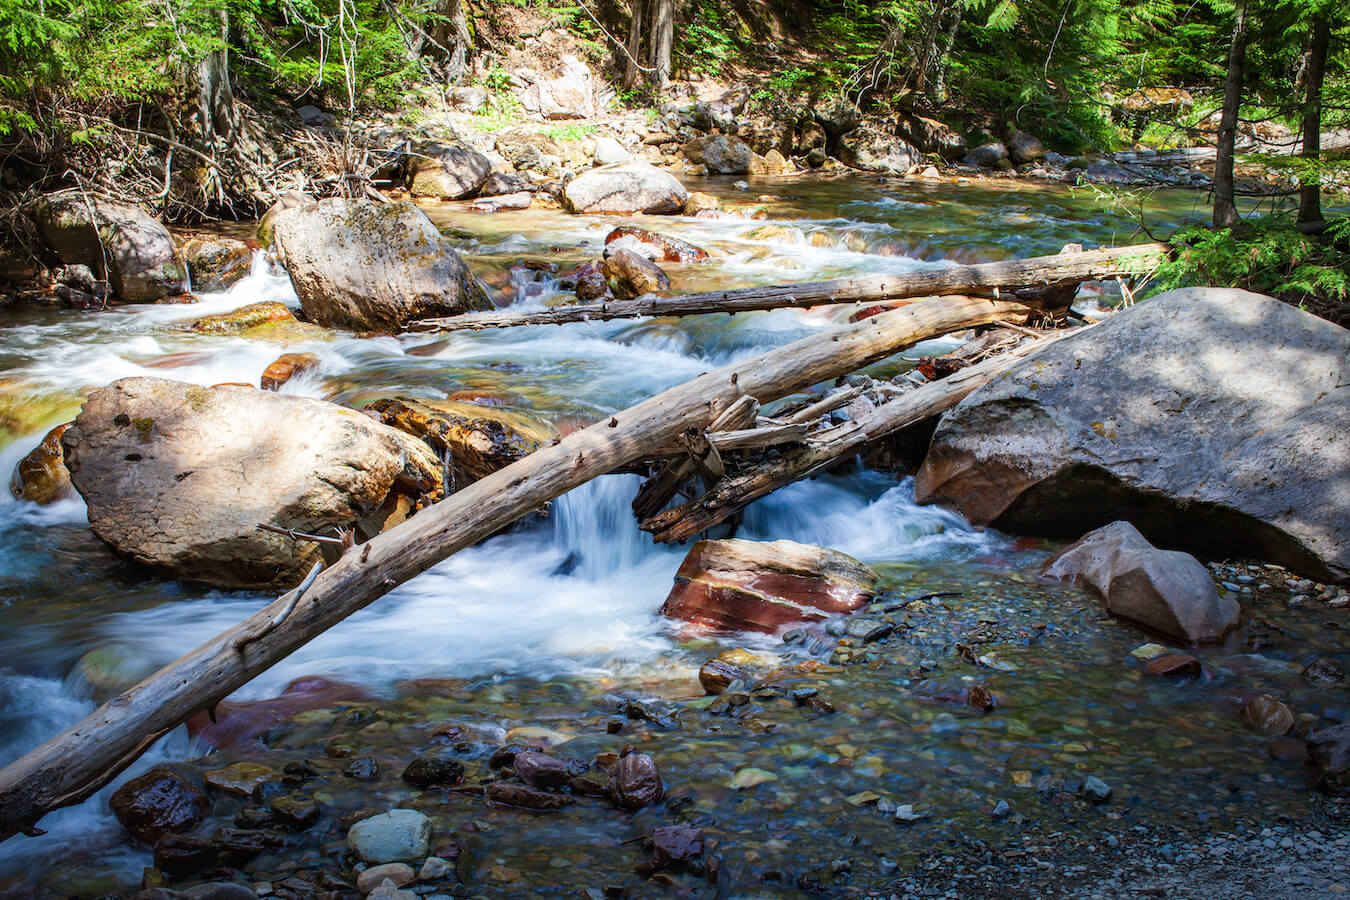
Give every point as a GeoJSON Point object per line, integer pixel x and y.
{"type": "Point", "coordinates": [545, 625]}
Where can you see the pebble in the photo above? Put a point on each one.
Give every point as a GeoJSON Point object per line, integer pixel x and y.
{"type": "Point", "coordinates": [1002, 810]}
{"type": "Point", "coordinates": [389, 837]}
{"type": "Point", "coordinates": [434, 869]}
{"type": "Point", "coordinates": [1095, 790]}
{"type": "Point", "coordinates": [905, 813]}
{"type": "Point", "coordinates": [400, 874]}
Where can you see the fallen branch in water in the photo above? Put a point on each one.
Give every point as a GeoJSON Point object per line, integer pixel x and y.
{"type": "Point", "coordinates": [1031, 277]}
{"type": "Point", "coordinates": [77, 762]}
{"type": "Point", "coordinates": [821, 450]}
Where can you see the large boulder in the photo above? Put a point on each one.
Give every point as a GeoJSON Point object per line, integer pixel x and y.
{"type": "Point", "coordinates": [634, 188]}
{"type": "Point", "coordinates": [529, 151]}
{"type": "Point", "coordinates": [178, 477]}
{"type": "Point", "coordinates": [988, 156]}
{"type": "Point", "coordinates": [765, 134]}
{"type": "Point", "coordinates": [722, 154]}
{"type": "Point", "coordinates": [157, 803]}
{"type": "Point", "coordinates": [765, 585]}
{"type": "Point", "coordinates": [215, 263]}
{"type": "Point", "coordinates": [570, 94]}
{"type": "Point", "coordinates": [1165, 590]}
{"type": "Point", "coordinates": [932, 136]}
{"type": "Point", "coordinates": [372, 266]}
{"type": "Point", "coordinates": [1212, 419]}
{"type": "Point", "coordinates": [630, 274]}
{"type": "Point", "coordinates": [446, 172]}
{"type": "Point", "coordinates": [117, 241]}
{"type": "Point", "coordinates": [475, 440]}
{"type": "Point", "coordinates": [656, 247]}
{"type": "Point", "coordinates": [1025, 148]}
{"type": "Point", "coordinates": [837, 115]}
{"type": "Point", "coordinates": [876, 151]}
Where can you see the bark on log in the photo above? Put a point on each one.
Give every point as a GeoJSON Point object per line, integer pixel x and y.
{"type": "Point", "coordinates": [75, 763]}
{"type": "Point", "coordinates": [822, 450]}
{"type": "Point", "coordinates": [982, 279]}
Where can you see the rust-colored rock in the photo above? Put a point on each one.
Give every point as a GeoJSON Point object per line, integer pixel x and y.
{"type": "Point", "coordinates": [254, 315]}
{"type": "Point", "coordinates": [676, 846]}
{"type": "Point", "coordinates": [474, 440]}
{"type": "Point", "coordinates": [980, 698]}
{"type": "Point", "coordinates": [41, 477]}
{"type": "Point", "coordinates": [588, 280]}
{"type": "Point", "coordinates": [540, 770]}
{"type": "Point", "coordinates": [764, 585]}
{"type": "Point", "coordinates": [285, 367]}
{"type": "Point", "coordinates": [700, 202]}
{"type": "Point", "coordinates": [237, 722]}
{"type": "Point", "coordinates": [216, 263]}
{"type": "Point", "coordinates": [659, 247]}
{"type": "Point", "coordinates": [1174, 665]}
{"type": "Point", "coordinates": [157, 803]}
{"type": "Point", "coordinates": [1268, 715]}
{"type": "Point", "coordinates": [716, 676]}
{"type": "Point", "coordinates": [508, 793]}
{"type": "Point", "coordinates": [631, 275]}
{"type": "Point", "coordinates": [635, 782]}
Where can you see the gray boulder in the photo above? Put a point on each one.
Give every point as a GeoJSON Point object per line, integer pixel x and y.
{"type": "Point", "coordinates": [837, 115]}
{"type": "Point", "coordinates": [609, 152]}
{"type": "Point", "coordinates": [446, 172]}
{"type": "Point", "coordinates": [215, 263]}
{"type": "Point", "coordinates": [932, 136]}
{"type": "Point", "coordinates": [396, 836]}
{"type": "Point", "coordinates": [722, 154]}
{"type": "Point", "coordinates": [1165, 590]}
{"type": "Point", "coordinates": [876, 151]}
{"type": "Point", "coordinates": [988, 156]}
{"type": "Point", "coordinates": [117, 241]}
{"type": "Point", "coordinates": [178, 477]}
{"type": "Point", "coordinates": [499, 184]}
{"type": "Point", "coordinates": [372, 266]}
{"type": "Point", "coordinates": [1212, 419]}
{"type": "Point", "coordinates": [634, 188]}
{"type": "Point", "coordinates": [1025, 148]}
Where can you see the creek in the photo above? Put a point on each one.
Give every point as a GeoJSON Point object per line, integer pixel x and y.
{"type": "Point", "coordinates": [554, 623]}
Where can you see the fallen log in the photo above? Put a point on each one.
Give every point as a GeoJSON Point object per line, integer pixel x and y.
{"type": "Point", "coordinates": [74, 764]}
{"type": "Point", "coordinates": [983, 279]}
{"type": "Point", "coordinates": [825, 448]}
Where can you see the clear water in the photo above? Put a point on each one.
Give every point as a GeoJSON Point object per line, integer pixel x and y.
{"type": "Point", "coordinates": [574, 595]}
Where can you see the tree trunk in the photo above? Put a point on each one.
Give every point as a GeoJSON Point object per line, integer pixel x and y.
{"type": "Point", "coordinates": [939, 93]}
{"type": "Point", "coordinates": [217, 115]}
{"type": "Point", "coordinates": [636, 24]}
{"type": "Point", "coordinates": [984, 279]}
{"type": "Point", "coordinates": [663, 40]}
{"type": "Point", "coordinates": [928, 52]}
{"type": "Point", "coordinates": [75, 763]}
{"type": "Point", "coordinates": [1225, 204]}
{"type": "Point", "coordinates": [820, 451]}
{"type": "Point", "coordinates": [1310, 195]}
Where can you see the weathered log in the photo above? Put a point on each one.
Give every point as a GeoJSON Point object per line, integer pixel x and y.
{"type": "Point", "coordinates": [72, 765]}
{"type": "Point", "coordinates": [825, 448]}
{"type": "Point", "coordinates": [657, 490]}
{"type": "Point", "coordinates": [983, 279]}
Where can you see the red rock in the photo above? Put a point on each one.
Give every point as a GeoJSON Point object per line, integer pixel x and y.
{"type": "Point", "coordinates": [508, 793]}
{"type": "Point", "coordinates": [540, 769]}
{"type": "Point", "coordinates": [764, 585]}
{"type": "Point", "coordinates": [979, 697]}
{"type": "Point", "coordinates": [635, 782]}
{"type": "Point", "coordinates": [1174, 665]}
{"type": "Point", "coordinates": [285, 367]}
{"type": "Point", "coordinates": [157, 803]}
{"type": "Point", "coordinates": [716, 675]}
{"type": "Point", "coordinates": [676, 845]}
{"type": "Point", "coordinates": [239, 722]}
{"type": "Point", "coordinates": [1268, 715]}
{"type": "Point", "coordinates": [656, 246]}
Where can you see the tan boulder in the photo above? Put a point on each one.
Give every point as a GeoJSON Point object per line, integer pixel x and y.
{"type": "Point", "coordinates": [41, 476]}
{"type": "Point", "coordinates": [631, 274]}
{"type": "Point", "coordinates": [178, 477]}
{"type": "Point", "coordinates": [765, 585]}
{"type": "Point", "coordinates": [285, 367]}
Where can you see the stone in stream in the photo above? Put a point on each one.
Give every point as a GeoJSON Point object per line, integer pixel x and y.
{"type": "Point", "coordinates": [1267, 715]}
{"type": "Point", "coordinates": [473, 440]}
{"type": "Point", "coordinates": [1323, 671]}
{"type": "Point", "coordinates": [157, 803]}
{"type": "Point", "coordinates": [1212, 419]}
{"type": "Point", "coordinates": [240, 778]}
{"type": "Point", "coordinates": [1095, 791]}
{"type": "Point", "coordinates": [588, 280]}
{"type": "Point", "coordinates": [507, 793]}
{"type": "Point", "coordinates": [633, 188]}
{"type": "Point", "coordinates": [987, 156]}
{"type": "Point", "coordinates": [676, 846]}
{"type": "Point", "coordinates": [716, 676]}
{"type": "Point", "coordinates": [245, 318]}
{"type": "Point", "coordinates": [429, 771]}
{"type": "Point", "coordinates": [371, 266]}
{"type": "Point", "coordinates": [446, 172]}
{"type": "Point", "coordinates": [361, 768]}
{"type": "Point", "coordinates": [1174, 665]}
{"type": "Point", "coordinates": [632, 275]}
{"type": "Point", "coordinates": [117, 241]}
{"type": "Point", "coordinates": [215, 263]}
{"type": "Point", "coordinates": [178, 477]}
{"type": "Point", "coordinates": [240, 721]}
{"type": "Point", "coordinates": [395, 836]}
{"type": "Point", "coordinates": [723, 154]}
{"type": "Point", "coordinates": [765, 585]}
{"type": "Point", "coordinates": [390, 891]}
{"type": "Point", "coordinates": [540, 770]}
{"type": "Point", "coordinates": [401, 874]}
{"type": "Point", "coordinates": [656, 247]}
{"type": "Point", "coordinates": [1165, 590]}
{"type": "Point", "coordinates": [503, 202]}
{"type": "Point", "coordinates": [180, 854]}
{"type": "Point", "coordinates": [699, 202]}
{"type": "Point", "coordinates": [41, 477]}
{"type": "Point", "coordinates": [285, 367]}
{"type": "Point", "coordinates": [1025, 148]}
{"type": "Point", "coordinates": [1329, 750]}
{"type": "Point", "coordinates": [635, 782]}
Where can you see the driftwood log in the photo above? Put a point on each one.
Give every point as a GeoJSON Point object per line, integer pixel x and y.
{"type": "Point", "coordinates": [72, 765]}
{"type": "Point", "coordinates": [1009, 276]}
{"type": "Point", "coordinates": [823, 449]}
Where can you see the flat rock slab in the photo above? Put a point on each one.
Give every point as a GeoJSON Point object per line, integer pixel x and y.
{"type": "Point", "coordinates": [763, 585]}
{"type": "Point", "coordinates": [1214, 420]}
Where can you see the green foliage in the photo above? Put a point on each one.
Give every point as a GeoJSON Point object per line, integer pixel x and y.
{"type": "Point", "coordinates": [572, 132]}
{"type": "Point", "coordinates": [1269, 255]}
{"type": "Point", "coordinates": [503, 106]}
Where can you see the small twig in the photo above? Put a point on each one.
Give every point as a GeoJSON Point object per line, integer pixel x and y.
{"type": "Point", "coordinates": [294, 535]}
{"type": "Point", "coordinates": [288, 601]}
{"type": "Point", "coordinates": [1029, 332]}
